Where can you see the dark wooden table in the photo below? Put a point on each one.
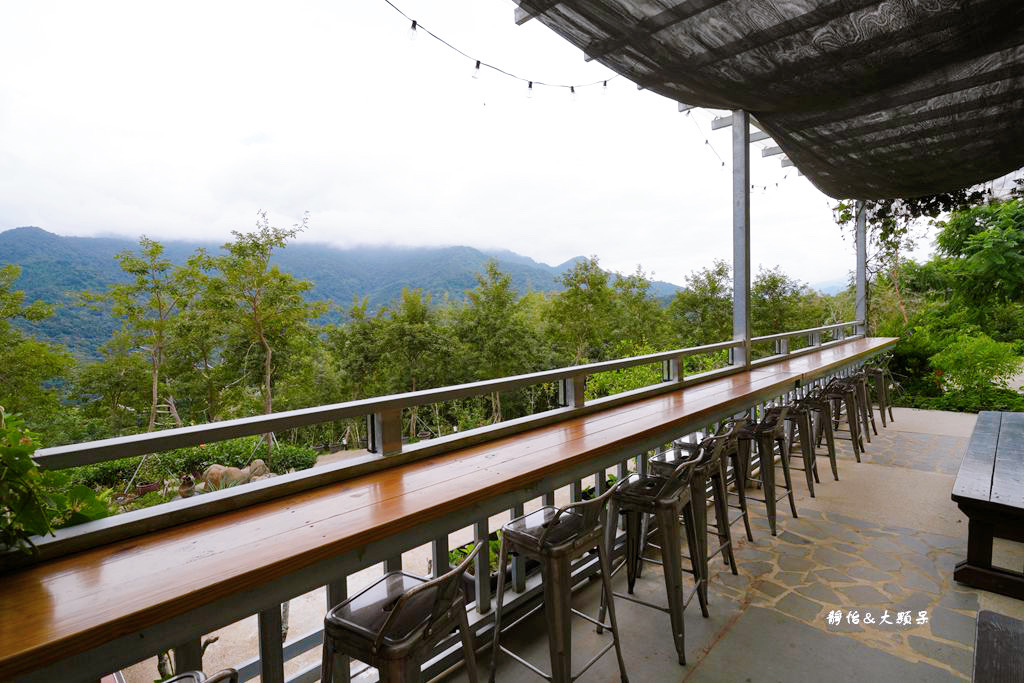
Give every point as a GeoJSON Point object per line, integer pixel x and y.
{"type": "Point", "coordinates": [998, 649]}
{"type": "Point", "coordinates": [989, 489]}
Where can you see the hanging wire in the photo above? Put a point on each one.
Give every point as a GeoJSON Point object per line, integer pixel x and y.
{"type": "Point", "coordinates": [707, 141]}
{"type": "Point", "coordinates": [417, 26]}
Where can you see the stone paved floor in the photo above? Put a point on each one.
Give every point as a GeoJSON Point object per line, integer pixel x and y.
{"type": "Point", "coordinates": [879, 544]}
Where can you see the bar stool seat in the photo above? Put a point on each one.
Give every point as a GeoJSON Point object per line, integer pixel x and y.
{"type": "Point", "coordinates": [225, 676]}
{"type": "Point", "coordinates": [394, 623]}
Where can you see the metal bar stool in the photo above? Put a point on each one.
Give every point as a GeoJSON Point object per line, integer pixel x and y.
{"type": "Point", "coordinates": [882, 380]}
{"type": "Point", "coordinates": [867, 414]}
{"type": "Point", "coordinates": [394, 624]}
{"type": "Point", "coordinates": [225, 676]}
{"type": "Point", "coordinates": [667, 498]}
{"type": "Point", "coordinates": [799, 424]}
{"type": "Point", "coordinates": [843, 397]}
{"type": "Point", "coordinates": [768, 433]}
{"type": "Point", "coordinates": [555, 537]}
{"type": "Point", "coordinates": [820, 411]}
{"type": "Point", "coordinates": [711, 469]}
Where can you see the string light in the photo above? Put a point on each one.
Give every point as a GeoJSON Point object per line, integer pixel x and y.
{"type": "Point", "coordinates": [529, 90]}
{"type": "Point", "coordinates": [415, 28]}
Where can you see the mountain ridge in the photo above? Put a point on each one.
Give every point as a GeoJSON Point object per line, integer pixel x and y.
{"type": "Point", "coordinates": [54, 265]}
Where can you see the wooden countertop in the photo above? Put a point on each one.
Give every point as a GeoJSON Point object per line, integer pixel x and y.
{"type": "Point", "coordinates": [66, 606]}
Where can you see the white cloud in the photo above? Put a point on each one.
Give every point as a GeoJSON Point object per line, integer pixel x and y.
{"type": "Point", "coordinates": [183, 120]}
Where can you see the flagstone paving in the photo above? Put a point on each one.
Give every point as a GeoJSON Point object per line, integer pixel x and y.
{"type": "Point", "coordinates": [859, 587]}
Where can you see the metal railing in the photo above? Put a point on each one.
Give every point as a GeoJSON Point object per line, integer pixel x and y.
{"type": "Point", "coordinates": [386, 449]}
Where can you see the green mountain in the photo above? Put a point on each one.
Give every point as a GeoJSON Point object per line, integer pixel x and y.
{"type": "Point", "coordinates": [54, 266]}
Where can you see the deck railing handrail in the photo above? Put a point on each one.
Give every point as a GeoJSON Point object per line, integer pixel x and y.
{"type": "Point", "coordinates": [387, 409]}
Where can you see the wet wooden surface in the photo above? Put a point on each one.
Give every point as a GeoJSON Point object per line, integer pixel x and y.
{"type": "Point", "coordinates": [69, 605]}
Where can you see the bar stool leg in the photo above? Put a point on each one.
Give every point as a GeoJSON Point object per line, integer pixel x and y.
{"type": "Point", "coordinates": [739, 472]}
{"type": "Point", "coordinates": [787, 475]}
{"type": "Point", "coordinates": [468, 651]}
{"type": "Point", "coordinates": [668, 523]}
{"type": "Point", "coordinates": [853, 423]}
{"type": "Point", "coordinates": [722, 518]}
{"type": "Point", "coordinates": [695, 526]}
{"type": "Point", "coordinates": [634, 543]}
{"type": "Point", "coordinates": [502, 562]}
{"type": "Point", "coordinates": [879, 378]}
{"type": "Point", "coordinates": [606, 595]}
{"type": "Point", "coordinates": [399, 671]}
{"type": "Point", "coordinates": [807, 454]}
{"type": "Point", "coordinates": [825, 425]}
{"type": "Point", "coordinates": [807, 424]}
{"type": "Point", "coordinates": [767, 458]}
{"type": "Point", "coordinates": [558, 609]}
{"type": "Point", "coordinates": [867, 414]}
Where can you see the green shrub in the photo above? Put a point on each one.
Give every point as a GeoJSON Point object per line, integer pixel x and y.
{"type": "Point", "coordinates": [967, 401]}
{"type": "Point", "coordinates": [976, 362]}
{"type": "Point", "coordinates": [34, 502]}
{"type": "Point", "coordinates": [193, 460]}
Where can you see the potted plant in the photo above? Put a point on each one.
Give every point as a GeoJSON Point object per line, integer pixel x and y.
{"type": "Point", "coordinates": [457, 555]}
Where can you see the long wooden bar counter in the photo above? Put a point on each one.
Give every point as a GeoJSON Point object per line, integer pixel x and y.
{"type": "Point", "coordinates": [124, 595]}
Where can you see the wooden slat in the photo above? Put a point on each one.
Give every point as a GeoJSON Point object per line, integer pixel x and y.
{"type": "Point", "coordinates": [974, 480]}
{"type": "Point", "coordinates": [999, 650]}
{"type": "Point", "coordinates": [1008, 473]}
{"type": "Point", "coordinates": [60, 608]}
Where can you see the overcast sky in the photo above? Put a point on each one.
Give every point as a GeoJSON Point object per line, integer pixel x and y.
{"type": "Point", "coordinates": [181, 120]}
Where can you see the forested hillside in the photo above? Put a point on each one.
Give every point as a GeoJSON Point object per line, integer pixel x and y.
{"type": "Point", "coordinates": [55, 266]}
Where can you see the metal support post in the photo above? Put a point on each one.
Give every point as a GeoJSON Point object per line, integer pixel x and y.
{"type": "Point", "coordinates": [741, 236]}
{"type": "Point", "coordinates": [385, 432]}
{"type": "Point", "coordinates": [862, 269]}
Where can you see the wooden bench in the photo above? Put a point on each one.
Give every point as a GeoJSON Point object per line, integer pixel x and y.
{"type": "Point", "coordinates": [989, 489]}
{"type": "Point", "coordinates": [998, 649]}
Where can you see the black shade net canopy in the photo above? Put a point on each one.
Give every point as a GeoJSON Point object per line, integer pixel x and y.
{"type": "Point", "coordinates": [870, 100]}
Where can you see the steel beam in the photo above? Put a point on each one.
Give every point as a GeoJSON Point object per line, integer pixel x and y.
{"type": "Point", "coordinates": [741, 236]}
{"type": "Point", "coordinates": [862, 269]}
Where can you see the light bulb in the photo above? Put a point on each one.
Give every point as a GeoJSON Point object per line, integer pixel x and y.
{"type": "Point", "coordinates": [476, 70]}
{"type": "Point", "coordinates": [572, 93]}
{"type": "Point", "coordinates": [604, 88]}
{"type": "Point", "coordinates": [529, 90]}
{"type": "Point", "coordinates": [412, 30]}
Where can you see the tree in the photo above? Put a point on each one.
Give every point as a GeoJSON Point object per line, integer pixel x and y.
{"type": "Point", "coordinates": [701, 313]}
{"type": "Point", "coordinates": [28, 368]}
{"type": "Point", "coordinates": [263, 311]}
{"type": "Point", "coordinates": [779, 303]}
{"type": "Point", "coordinates": [418, 349]}
{"type": "Point", "coordinates": [148, 306]}
{"type": "Point", "coordinates": [580, 319]}
{"type": "Point", "coordinates": [494, 332]}
{"type": "Point", "coordinates": [986, 245]}
{"type": "Point", "coordinates": [640, 319]}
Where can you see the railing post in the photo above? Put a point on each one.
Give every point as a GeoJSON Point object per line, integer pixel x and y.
{"type": "Point", "coordinates": [188, 656]}
{"type": "Point", "coordinates": [673, 369]}
{"type": "Point", "coordinates": [741, 236]}
{"type": "Point", "coordinates": [482, 568]}
{"type": "Point", "coordinates": [816, 338]}
{"type": "Point", "coordinates": [271, 651]}
{"type": "Point", "coordinates": [337, 593]}
{"type": "Point", "coordinates": [570, 391]}
{"type": "Point", "coordinates": [784, 346]}
{"type": "Point", "coordinates": [862, 270]}
{"type": "Point", "coordinates": [384, 432]}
